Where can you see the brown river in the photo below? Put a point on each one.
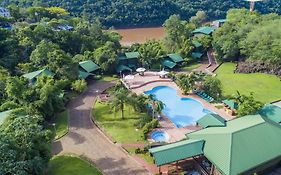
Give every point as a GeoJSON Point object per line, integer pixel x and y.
{"type": "Point", "coordinates": [140, 35]}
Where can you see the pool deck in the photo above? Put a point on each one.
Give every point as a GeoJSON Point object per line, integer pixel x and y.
{"type": "Point", "coordinates": [167, 125]}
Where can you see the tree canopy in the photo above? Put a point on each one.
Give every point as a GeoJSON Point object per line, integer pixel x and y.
{"type": "Point", "coordinates": [123, 13]}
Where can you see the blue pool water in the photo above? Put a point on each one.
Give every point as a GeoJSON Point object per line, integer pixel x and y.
{"type": "Point", "coordinates": [181, 111]}
{"type": "Point", "coordinates": [160, 136]}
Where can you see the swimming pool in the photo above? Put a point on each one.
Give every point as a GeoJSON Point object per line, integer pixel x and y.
{"type": "Point", "coordinates": [159, 136]}
{"type": "Point", "coordinates": [181, 111]}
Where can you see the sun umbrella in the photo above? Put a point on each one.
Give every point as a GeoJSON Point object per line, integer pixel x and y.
{"type": "Point", "coordinates": [141, 69]}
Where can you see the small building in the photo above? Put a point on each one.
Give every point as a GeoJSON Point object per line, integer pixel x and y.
{"type": "Point", "coordinates": [218, 23]}
{"type": "Point", "coordinates": [32, 76]}
{"type": "Point", "coordinates": [231, 106]}
{"type": "Point", "coordinates": [127, 62]}
{"type": "Point", "coordinates": [205, 30]}
{"type": "Point", "coordinates": [246, 145]}
{"type": "Point", "coordinates": [172, 60]}
{"type": "Point", "coordinates": [87, 68]}
{"type": "Point", "coordinates": [198, 50]}
{"type": "Point", "coordinates": [4, 12]}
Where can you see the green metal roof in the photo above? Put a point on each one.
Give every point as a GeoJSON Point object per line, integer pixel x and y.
{"type": "Point", "coordinates": [83, 75]}
{"type": "Point", "coordinates": [35, 74]}
{"type": "Point", "coordinates": [211, 120]}
{"type": "Point", "coordinates": [175, 57]}
{"type": "Point", "coordinates": [88, 66]}
{"type": "Point", "coordinates": [244, 144]}
{"type": "Point", "coordinates": [131, 55]}
{"type": "Point", "coordinates": [231, 103]}
{"type": "Point", "coordinates": [122, 67]}
{"type": "Point", "coordinates": [177, 151]}
{"type": "Point", "coordinates": [204, 30]}
{"type": "Point", "coordinates": [197, 54]}
{"type": "Point", "coordinates": [4, 115]}
{"type": "Point", "coordinates": [271, 112]}
{"type": "Point", "coordinates": [122, 58]}
{"type": "Point", "coordinates": [168, 64]}
{"type": "Point", "coordinates": [196, 44]}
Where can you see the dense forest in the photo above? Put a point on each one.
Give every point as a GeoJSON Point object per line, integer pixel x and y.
{"type": "Point", "coordinates": [252, 39]}
{"type": "Point", "coordinates": [125, 13]}
{"type": "Point", "coordinates": [37, 43]}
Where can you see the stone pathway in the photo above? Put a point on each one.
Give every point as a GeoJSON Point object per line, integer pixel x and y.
{"type": "Point", "coordinates": [85, 139]}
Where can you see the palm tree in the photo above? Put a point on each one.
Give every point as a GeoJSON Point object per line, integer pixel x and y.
{"type": "Point", "coordinates": [118, 100]}
{"type": "Point", "coordinates": [156, 105]}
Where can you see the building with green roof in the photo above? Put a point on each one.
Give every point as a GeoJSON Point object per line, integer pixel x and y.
{"type": "Point", "coordinates": [205, 30]}
{"type": "Point", "coordinates": [231, 103]}
{"type": "Point", "coordinates": [197, 55]}
{"type": "Point", "coordinates": [176, 58]}
{"type": "Point", "coordinates": [32, 76]}
{"type": "Point", "coordinates": [132, 55]}
{"type": "Point", "coordinates": [211, 120]}
{"type": "Point", "coordinates": [168, 64]}
{"type": "Point", "coordinates": [272, 113]}
{"type": "Point", "coordinates": [88, 66]}
{"type": "Point", "coordinates": [127, 61]}
{"type": "Point", "coordinates": [244, 145]}
{"type": "Point", "coordinates": [177, 151]}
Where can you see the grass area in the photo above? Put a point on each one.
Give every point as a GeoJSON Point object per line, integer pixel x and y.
{"type": "Point", "coordinates": [145, 156]}
{"type": "Point", "coordinates": [121, 130]}
{"type": "Point", "coordinates": [266, 88]}
{"type": "Point", "coordinates": [61, 127]}
{"type": "Point", "coordinates": [71, 165]}
{"type": "Point", "coordinates": [190, 67]}
{"type": "Point", "coordinates": [108, 78]}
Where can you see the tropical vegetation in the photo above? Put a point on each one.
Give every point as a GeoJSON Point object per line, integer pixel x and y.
{"type": "Point", "coordinates": [123, 13]}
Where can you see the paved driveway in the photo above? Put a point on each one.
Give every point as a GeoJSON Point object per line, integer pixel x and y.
{"type": "Point", "coordinates": [85, 139]}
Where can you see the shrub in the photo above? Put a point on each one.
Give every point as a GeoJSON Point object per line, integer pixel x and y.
{"type": "Point", "coordinates": [149, 127]}
{"type": "Point", "coordinates": [79, 86]}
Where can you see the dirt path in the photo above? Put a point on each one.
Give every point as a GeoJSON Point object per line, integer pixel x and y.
{"type": "Point", "coordinates": [85, 139]}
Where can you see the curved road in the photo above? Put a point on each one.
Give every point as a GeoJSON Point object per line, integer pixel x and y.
{"type": "Point", "coordinates": [85, 139]}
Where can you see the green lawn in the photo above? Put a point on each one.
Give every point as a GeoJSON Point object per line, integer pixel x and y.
{"type": "Point", "coordinates": [266, 88]}
{"type": "Point", "coordinates": [71, 165]}
{"type": "Point", "coordinates": [121, 130]}
{"type": "Point", "coordinates": [145, 156]}
{"type": "Point", "coordinates": [190, 67]}
{"type": "Point", "coordinates": [61, 127]}
{"type": "Point", "coordinates": [108, 78]}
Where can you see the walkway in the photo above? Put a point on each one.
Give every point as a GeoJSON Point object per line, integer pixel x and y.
{"type": "Point", "coordinates": [85, 139]}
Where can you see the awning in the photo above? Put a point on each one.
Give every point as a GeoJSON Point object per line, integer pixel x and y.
{"type": "Point", "coordinates": [231, 103]}
{"type": "Point", "coordinates": [177, 151]}
{"type": "Point", "coordinates": [83, 75]}
{"type": "Point", "coordinates": [122, 67]}
{"type": "Point", "coordinates": [169, 64]}
{"type": "Point", "coordinates": [197, 55]}
{"type": "Point", "coordinates": [175, 57]}
{"type": "Point", "coordinates": [211, 120]}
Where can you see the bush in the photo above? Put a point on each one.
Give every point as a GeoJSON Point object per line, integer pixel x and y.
{"type": "Point", "coordinates": [115, 76]}
{"type": "Point", "coordinates": [79, 86]}
{"type": "Point", "coordinates": [149, 127]}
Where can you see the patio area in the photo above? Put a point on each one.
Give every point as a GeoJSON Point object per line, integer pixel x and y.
{"type": "Point", "coordinates": [137, 81]}
{"type": "Point", "coordinates": [140, 84]}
